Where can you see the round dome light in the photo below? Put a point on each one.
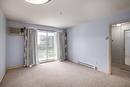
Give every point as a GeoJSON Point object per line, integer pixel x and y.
{"type": "Point", "coordinates": [37, 1]}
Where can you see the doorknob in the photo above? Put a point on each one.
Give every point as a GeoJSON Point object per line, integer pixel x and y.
{"type": "Point", "coordinates": [112, 40]}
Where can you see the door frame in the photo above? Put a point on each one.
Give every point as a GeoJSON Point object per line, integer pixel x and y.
{"type": "Point", "coordinates": [124, 41]}
{"type": "Point", "coordinates": [109, 71]}
{"type": "Point", "coordinates": [47, 60]}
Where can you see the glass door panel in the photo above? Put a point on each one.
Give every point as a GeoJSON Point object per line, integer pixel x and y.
{"type": "Point", "coordinates": [42, 46]}
{"type": "Point", "coordinates": [52, 46]}
{"type": "Point", "coordinates": [47, 46]}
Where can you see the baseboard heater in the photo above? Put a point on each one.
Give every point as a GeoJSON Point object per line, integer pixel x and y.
{"type": "Point", "coordinates": [88, 65]}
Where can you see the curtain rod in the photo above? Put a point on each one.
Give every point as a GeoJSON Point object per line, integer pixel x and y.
{"type": "Point", "coordinates": [41, 29]}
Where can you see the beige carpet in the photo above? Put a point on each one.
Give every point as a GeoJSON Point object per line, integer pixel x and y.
{"type": "Point", "coordinates": [125, 67]}
{"type": "Point", "coordinates": [61, 74]}
{"type": "Point", "coordinates": [121, 71]}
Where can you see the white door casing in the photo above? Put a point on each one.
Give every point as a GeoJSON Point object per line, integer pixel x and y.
{"type": "Point", "coordinates": [127, 47]}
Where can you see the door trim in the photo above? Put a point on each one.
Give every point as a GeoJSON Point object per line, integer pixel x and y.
{"type": "Point", "coordinates": [110, 45]}
{"type": "Point", "coordinates": [47, 56]}
{"type": "Point", "coordinates": [124, 43]}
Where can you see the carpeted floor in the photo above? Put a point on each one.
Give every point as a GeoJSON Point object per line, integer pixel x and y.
{"type": "Point", "coordinates": [61, 74]}
{"type": "Point", "coordinates": [121, 71]}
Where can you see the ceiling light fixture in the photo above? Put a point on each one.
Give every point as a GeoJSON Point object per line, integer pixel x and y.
{"type": "Point", "coordinates": [37, 1]}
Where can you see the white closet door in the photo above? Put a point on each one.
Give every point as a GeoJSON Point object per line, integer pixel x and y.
{"type": "Point", "coordinates": [127, 47]}
{"type": "Point", "coordinates": [116, 45]}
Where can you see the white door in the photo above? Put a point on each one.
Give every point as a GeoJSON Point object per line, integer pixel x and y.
{"type": "Point", "coordinates": [116, 45]}
{"type": "Point", "coordinates": [127, 47]}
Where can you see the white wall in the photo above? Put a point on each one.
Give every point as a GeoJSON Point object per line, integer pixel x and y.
{"type": "Point", "coordinates": [15, 44]}
{"type": "Point", "coordinates": [87, 42]}
{"type": "Point", "coordinates": [15, 51]}
{"type": "Point", "coordinates": [2, 45]}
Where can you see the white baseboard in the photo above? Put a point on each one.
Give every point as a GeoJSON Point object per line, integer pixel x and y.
{"type": "Point", "coordinates": [78, 62]}
{"type": "Point", "coordinates": [96, 68]}
{"type": "Point", "coordinates": [14, 67]}
{"type": "Point", "coordinates": [72, 60]}
{"type": "Point", "coordinates": [2, 77]}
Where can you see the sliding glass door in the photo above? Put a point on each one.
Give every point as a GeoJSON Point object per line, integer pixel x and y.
{"type": "Point", "coordinates": [47, 46]}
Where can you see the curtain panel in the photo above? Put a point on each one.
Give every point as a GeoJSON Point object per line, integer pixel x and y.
{"type": "Point", "coordinates": [61, 46]}
{"type": "Point", "coordinates": [30, 47]}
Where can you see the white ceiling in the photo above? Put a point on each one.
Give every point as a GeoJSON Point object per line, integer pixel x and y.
{"type": "Point", "coordinates": [62, 13]}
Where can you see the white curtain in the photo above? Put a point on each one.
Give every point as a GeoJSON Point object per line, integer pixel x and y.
{"type": "Point", "coordinates": [61, 46]}
{"type": "Point", "coordinates": [30, 49]}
